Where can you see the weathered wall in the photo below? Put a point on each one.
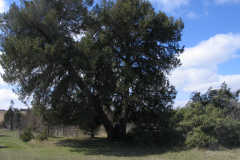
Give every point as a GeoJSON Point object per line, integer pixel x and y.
{"type": "Point", "coordinates": [2, 115]}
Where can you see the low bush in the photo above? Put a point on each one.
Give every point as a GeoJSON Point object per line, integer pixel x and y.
{"type": "Point", "coordinates": [206, 126]}
{"type": "Point", "coordinates": [27, 135]}
{"type": "Point", "coordinates": [43, 135]}
{"type": "Point", "coordinates": [3, 125]}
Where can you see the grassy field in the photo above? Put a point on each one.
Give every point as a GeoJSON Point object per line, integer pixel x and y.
{"type": "Point", "coordinates": [60, 148]}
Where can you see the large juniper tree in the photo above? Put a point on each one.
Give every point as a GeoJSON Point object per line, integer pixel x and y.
{"type": "Point", "coordinates": [118, 67]}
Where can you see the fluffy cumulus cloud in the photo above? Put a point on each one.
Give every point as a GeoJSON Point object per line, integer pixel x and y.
{"type": "Point", "coordinates": [3, 6]}
{"type": "Point", "coordinates": [170, 5]}
{"type": "Point", "coordinates": [199, 65]}
{"type": "Point", "coordinates": [211, 52]}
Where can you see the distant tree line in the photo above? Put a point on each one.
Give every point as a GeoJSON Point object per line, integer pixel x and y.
{"type": "Point", "coordinates": [14, 119]}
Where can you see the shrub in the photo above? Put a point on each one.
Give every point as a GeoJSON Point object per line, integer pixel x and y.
{"type": "Point", "coordinates": [197, 138]}
{"type": "Point", "coordinates": [4, 124]}
{"type": "Point", "coordinates": [27, 135]}
{"type": "Point", "coordinates": [1, 125]}
{"type": "Point", "coordinates": [43, 135]}
{"type": "Point", "coordinates": [206, 126]}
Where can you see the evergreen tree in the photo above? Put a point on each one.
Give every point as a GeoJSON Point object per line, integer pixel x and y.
{"type": "Point", "coordinates": [119, 66]}
{"type": "Point", "coordinates": [9, 115]}
{"type": "Point", "coordinates": [145, 48]}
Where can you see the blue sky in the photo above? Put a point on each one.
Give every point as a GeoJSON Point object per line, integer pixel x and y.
{"type": "Point", "coordinates": [212, 47]}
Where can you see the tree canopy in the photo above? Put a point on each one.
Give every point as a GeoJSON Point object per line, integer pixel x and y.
{"type": "Point", "coordinates": [220, 98]}
{"type": "Point", "coordinates": [117, 66]}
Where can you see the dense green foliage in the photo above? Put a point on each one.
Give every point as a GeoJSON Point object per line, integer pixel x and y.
{"type": "Point", "coordinates": [208, 125]}
{"type": "Point", "coordinates": [118, 68]}
{"type": "Point", "coordinates": [203, 126]}
{"type": "Point", "coordinates": [26, 134]}
{"type": "Point", "coordinates": [221, 98]}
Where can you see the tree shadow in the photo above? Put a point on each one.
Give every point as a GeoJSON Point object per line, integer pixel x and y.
{"type": "Point", "coordinates": [3, 147]}
{"type": "Point", "coordinates": [101, 146]}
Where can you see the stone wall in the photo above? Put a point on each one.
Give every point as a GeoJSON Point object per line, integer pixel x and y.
{"type": "Point", "coordinates": [63, 130]}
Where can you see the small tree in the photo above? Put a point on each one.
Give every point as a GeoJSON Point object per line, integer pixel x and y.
{"type": "Point", "coordinates": [27, 135]}
{"type": "Point", "coordinates": [89, 124]}
{"type": "Point", "coordinates": [17, 119]}
{"type": "Point", "coordinates": [30, 118]}
{"type": "Point", "coordinates": [9, 115]}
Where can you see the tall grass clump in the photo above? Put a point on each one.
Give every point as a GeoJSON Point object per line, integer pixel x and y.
{"type": "Point", "coordinates": [27, 135]}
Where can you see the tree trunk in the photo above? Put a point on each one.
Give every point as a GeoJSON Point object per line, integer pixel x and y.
{"type": "Point", "coordinates": [124, 122]}
{"type": "Point", "coordinates": [48, 129]}
{"type": "Point", "coordinates": [125, 109]}
{"type": "Point", "coordinates": [92, 134]}
{"type": "Point", "coordinates": [11, 125]}
{"type": "Point", "coordinates": [92, 99]}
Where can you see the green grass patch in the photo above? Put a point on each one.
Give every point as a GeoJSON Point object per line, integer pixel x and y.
{"type": "Point", "coordinates": [61, 148]}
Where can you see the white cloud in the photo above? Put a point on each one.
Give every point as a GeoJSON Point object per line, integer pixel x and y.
{"type": "Point", "coordinates": [6, 95]}
{"type": "Point", "coordinates": [186, 78]}
{"type": "Point", "coordinates": [3, 6]}
{"type": "Point", "coordinates": [199, 69]}
{"type": "Point", "coordinates": [180, 104]}
{"type": "Point", "coordinates": [170, 5]}
{"type": "Point", "coordinates": [192, 15]}
{"type": "Point", "coordinates": [211, 52]}
{"type": "Point", "coordinates": [231, 80]}
{"type": "Point", "coordinates": [2, 83]}
{"type": "Point", "coordinates": [226, 1]}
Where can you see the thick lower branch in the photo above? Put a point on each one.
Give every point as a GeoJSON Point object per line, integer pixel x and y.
{"type": "Point", "coordinates": [92, 99]}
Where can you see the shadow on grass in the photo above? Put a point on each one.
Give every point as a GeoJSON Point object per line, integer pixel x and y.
{"type": "Point", "coordinates": [101, 146]}
{"type": "Point", "coordinates": [3, 147]}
